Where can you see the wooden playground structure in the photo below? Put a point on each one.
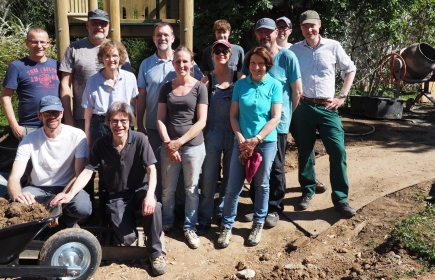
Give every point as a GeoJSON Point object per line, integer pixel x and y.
{"type": "Point", "coordinates": [128, 18]}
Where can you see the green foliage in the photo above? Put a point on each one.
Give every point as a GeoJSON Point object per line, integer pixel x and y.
{"type": "Point", "coordinates": [34, 13]}
{"type": "Point", "coordinates": [240, 14]}
{"type": "Point", "coordinates": [417, 234]}
{"type": "Point", "coordinates": [138, 50]}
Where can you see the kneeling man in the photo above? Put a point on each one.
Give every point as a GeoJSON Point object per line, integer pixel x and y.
{"type": "Point", "coordinates": [58, 154]}
{"type": "Point", "coordinates": [126, 162]}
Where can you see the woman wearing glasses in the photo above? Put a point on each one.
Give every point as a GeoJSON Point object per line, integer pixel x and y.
{"type": "Point", "coordinates": [108, 85]}
{"type": "Point", "coordinates": [219, 136]}
{"type": "Point", "coordinates": [255, 112]}
{"type": "Point", "coordinates": [181, 116]}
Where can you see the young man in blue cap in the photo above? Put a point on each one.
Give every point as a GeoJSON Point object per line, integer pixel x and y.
{"type": "Point", "coordinates": [318, 58]}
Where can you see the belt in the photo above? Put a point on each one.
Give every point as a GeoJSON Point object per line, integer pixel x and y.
{"type": "Point", "coordinates": [121, 192]}
{"type": "Point", "coordinates": [316, 100]}
{"type": "Point", "coordinates": [101, 118]}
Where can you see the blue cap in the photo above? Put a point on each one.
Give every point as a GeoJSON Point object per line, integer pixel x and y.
{"type": "Point", "coordinates": [98, 14]}
{"type": "Point", "coordinates": [50, 103]}
{"type": "Point", "coordinates": [286, 20]}
{"type": "Point", "coordinates": [267, 23]}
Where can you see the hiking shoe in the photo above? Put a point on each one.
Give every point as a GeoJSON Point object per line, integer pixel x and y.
{"type": "Point", "coordinates": [272, 219]}
{"type": "Point", "coordinates": [167, 228]}
{"type": "Point", "coordinates": [248, 217]}
{"type": "Point", "coordinates": [224, 237]}
{"type": "Point", "coordinates": [255, 235]}
{"type": "Point", "coordinates": [305, 202]}
{"type": "Point", "coordinates": [202, 229]}
{"type": "Point", "coordinates": [192, 238]}
{"type": "Point", "coordinates": [320, 187]}
{"type": "Point", "coordinates": [345, 209]}
{"type": "Point", "coordinates": [158, 265]}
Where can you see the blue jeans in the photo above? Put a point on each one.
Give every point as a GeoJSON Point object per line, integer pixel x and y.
{"type": "Point", "coordinates": [218, 141]}
{"type": "Point", "coordinates": [80, 207]}
{"type": "Point", "coordinates": [192, 158]}
{"type": "Point", "coordinates": [237, 178]}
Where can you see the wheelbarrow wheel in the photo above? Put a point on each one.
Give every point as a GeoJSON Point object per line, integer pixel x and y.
{"type": "Point", "coordinates": [72, 247]}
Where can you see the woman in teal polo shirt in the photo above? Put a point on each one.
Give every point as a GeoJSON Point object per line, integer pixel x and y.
{"type": "Point", "coordinates": [255, 112]}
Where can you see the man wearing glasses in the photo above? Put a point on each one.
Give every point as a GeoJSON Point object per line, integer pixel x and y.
{"type": "Point", "coordinates": [80, 62]}
{"type": "Point", "coordinates": [285, 28]}
{"type": "Point", "coordinates": [58, 154]}
{"type": "Point", "coordinates": [32, 77]}
{"type": "Point", "coordinates": [126, 162]}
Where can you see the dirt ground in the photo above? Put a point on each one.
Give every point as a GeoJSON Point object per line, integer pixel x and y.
{"type": "Point", "coordinates": [16, 213]}
{"type": "Point", "coordinates": [350, 249]}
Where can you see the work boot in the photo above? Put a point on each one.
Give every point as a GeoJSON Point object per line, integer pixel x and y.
{"type": "Point", "coordinates": [305, 202]}
{"type": "Point", "coordinates": [158, 265]}
{"type": "Point", "coordinates": [255, 235]}
{"type": "Point", "coordinates": [345, 209]}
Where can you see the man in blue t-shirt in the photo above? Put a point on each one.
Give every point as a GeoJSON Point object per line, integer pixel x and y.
{"type": "Point", "coordinates": [286, 70]}
{"type": "Point", "coordinates": [32, 77]}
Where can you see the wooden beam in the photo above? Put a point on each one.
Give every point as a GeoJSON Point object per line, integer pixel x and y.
{"type": "Point", "coordinates": [186, 23]}
{"type": "Point", "coordinates": [62, 28]}
{"type": "Point", "coordinates": [93, 4]}
{"type": "Point", "coordinates": [115, 24]}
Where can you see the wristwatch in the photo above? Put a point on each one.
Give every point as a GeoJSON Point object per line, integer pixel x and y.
{"type": "Point", "coordinates": [342, 95]}
{"type": "Point", "coordinates": [259, 138]}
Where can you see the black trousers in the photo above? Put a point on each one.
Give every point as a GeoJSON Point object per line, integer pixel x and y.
{"type": "Point", "coordinates": [122, 208]}
{"type": "Point", "coordinates": [277, 183]}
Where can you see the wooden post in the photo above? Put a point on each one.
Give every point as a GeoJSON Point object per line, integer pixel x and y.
{"type": "Point", "coordinates": [62, 28]}
{"type": "Point", "coordinates": [93, 4]}
{"type": "Point", "coordinates": [106, 6]}
{"type": "Point", "coordinates": [115, 21]}
{"type": "Point", "coordinates": [186, 23]}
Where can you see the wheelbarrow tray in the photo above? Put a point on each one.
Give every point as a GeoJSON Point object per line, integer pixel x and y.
{"type": "Point", "coordinates": [14, 239]}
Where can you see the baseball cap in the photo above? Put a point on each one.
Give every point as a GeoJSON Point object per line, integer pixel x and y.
{"type": "Point", "coordinates": [50, 102]}
{"type": "Point", "coordinates": [98, 14]}
{"type": "Point", "coordinates": [221, 42]}
{"type": "Point", "coordinates": [267, 23]}
{"type": "Point", "coordinates": [309, 16]}
{"type": "Point", "coordinates": [286, 20]}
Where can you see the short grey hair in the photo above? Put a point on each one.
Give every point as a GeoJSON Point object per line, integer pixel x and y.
{"type": "Point", "coordinates": [120, 107]}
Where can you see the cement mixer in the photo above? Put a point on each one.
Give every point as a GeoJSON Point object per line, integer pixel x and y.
{"type": "Point", "coordinates": [414, 64]}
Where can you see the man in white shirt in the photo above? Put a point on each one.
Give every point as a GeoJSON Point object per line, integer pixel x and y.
{"type": "Point", "coordinates": [58, 154]}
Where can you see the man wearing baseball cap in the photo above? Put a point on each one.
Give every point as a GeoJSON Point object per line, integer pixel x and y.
{"type": "Point", "coordinates": [58, 154]}
{"type": "Point", "coordinates": [285, 28]}
{"type": "Point", "coordinates": [80, 62]}
{"type": "Point", "coordinates": [318, 58]}
{"type": "Point", "coordinates": [286, 70]}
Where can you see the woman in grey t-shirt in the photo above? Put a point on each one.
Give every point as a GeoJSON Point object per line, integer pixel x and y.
{"type": "Point", "coordinates": [181, 116]}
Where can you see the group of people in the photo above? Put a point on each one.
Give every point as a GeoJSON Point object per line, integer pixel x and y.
{"type": "Point", "coordinates": [231, 118]}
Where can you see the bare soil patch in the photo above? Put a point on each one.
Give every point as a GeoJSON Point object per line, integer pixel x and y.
{"type": "Point", "coordinates": [16, 213]}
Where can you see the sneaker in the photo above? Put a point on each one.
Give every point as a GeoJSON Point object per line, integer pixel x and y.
{"type": "Point", "coordinates": [202, 229]}
{"type": "Point", "coordinates": [305, 202]}
{"type": "Point", "coordinates": [345, 209]}
{"type": "Point", "coordinates": [320, 187]}
{"type": "Point", "coordinates": [192, 238]}
{"type": "Point", "coordinates": [272, 219]}
{"type": "Point", "coordinates": [224, 237]}
{"type": "Point", "coordinates": [167, 228]}
{"type": "Point", "coordinates": [248, 217]}
{"type": "Point", "coordinates": [158, 265]}
{"type": "Point", "coordinates": [255, 235]}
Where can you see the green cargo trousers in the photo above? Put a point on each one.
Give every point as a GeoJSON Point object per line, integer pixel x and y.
{"type": "Point", "coordinates": [308, 117]}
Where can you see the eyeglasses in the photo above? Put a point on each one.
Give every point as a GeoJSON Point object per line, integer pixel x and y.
{"type": "Point", "coordinates": [116, 121]}
{"type": "Point", "coordinates": [51, 113]}
{"type": "Point", "coordinates": [36, 43]}
{"type": "Point", "coordinates": [110, 57]}
{"type": "Point", "coordinates": [218, 51]}
{"type": "Point", "coordinates": [283, 28]}
{"type": "Point", "coordinates": [101, 23]}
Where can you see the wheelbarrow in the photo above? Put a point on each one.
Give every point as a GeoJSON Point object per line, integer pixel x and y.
{"type": "Point", "coordinates": [73, 253]}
